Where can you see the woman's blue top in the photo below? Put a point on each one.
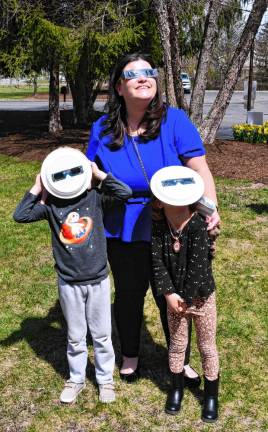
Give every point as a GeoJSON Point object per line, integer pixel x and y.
{"type": "Point", "coordinates": [178, 138]}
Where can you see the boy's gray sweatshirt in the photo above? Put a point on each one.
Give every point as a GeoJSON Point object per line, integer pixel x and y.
{"type": "Point", "coordinates": [78, 238]}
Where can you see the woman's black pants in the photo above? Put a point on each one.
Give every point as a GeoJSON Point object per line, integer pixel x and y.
{"type": "Point", "coordinates": [131, 268]}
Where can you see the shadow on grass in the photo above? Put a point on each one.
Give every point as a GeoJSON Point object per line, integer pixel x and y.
{"type": "Point", "coordinates": [258, 208]}
{"type": "Point", "coordinates": [48, 339]}
{"type": "Point", "coordinates": [17, 121]}
{"type": "Point", "coordinates": [46, 336]}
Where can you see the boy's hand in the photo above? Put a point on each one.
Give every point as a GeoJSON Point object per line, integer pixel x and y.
{"type": "Point", "coordinates": [175, 303]}
{"type": "Point", "coordinates": [38, 186]}
{"type": "Point", "coordinates": [44, 196]}
{"type": "Point", "coordinates": [97, 173]}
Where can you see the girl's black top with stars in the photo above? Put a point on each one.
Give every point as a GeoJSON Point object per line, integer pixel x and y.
{"type": "Point", "coordinates": [187, 272]}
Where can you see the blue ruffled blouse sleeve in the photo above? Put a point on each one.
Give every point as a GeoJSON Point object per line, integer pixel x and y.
{"type": "Point", "coordinates": [187, 139]}
{"type": "Point", "coordinates": [93, 142]}
{"type": "Point", "coordinates": [95, 138]}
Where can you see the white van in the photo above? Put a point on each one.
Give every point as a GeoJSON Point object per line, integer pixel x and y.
{"type": "Point", "coordinates": [186, 82]}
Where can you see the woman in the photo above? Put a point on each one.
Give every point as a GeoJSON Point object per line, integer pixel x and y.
{"type": "Point", "coordinates": [138, 136]}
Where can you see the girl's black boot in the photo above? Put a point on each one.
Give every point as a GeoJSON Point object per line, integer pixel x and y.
{"type": "Point", "coordinates": [210, 406]}
{"type": "Point", "coordinates": [175, 395]}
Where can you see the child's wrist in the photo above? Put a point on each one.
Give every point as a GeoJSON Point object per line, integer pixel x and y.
{"type": "Point", "coordinates": [169, 295]}
{"type": "Point", "coordinates": [35, 190]}
{"type": "Point", "coordinates": [102, 175]}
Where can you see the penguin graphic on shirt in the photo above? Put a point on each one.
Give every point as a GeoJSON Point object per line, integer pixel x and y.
{"type": "Point", "coordinates": [75, 229]}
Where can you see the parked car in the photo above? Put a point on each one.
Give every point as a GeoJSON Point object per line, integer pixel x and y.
{"type": "Point", "coordinates": [186, 82]}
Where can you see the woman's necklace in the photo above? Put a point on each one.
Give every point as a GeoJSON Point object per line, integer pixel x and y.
{"type": "Point", "coordinates": [140, 160]}
{"type": "Point", "coordinates": [176, 245]}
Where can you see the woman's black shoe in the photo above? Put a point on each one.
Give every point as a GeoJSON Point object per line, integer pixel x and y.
{"type": "Point", "coordinates": [175, 395]}
{"type": "Point", "coordinates": [131, 377]}
{"type": "Point", "coordinates": [192, 382]}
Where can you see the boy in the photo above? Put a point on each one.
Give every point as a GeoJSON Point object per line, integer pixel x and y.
{"type": "Point", "coordinates": [63, 195]}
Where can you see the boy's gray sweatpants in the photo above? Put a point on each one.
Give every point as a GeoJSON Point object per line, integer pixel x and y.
{"type": "Point", "coordinates": [86, 306]}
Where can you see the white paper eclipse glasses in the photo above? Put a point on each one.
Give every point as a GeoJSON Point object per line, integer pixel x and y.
{"type": "Point", "coordinates": [132, 74]}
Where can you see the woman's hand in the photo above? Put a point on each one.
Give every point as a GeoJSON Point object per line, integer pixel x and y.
{"type": "Point", "coordinates": [199, 164]}
{"type": "Point", "coordinates": [213, 221]}
{"type": "Point", "coordinates": [175, 303]}
{"type": "Point", "coordinates": [213, 233]}
{"type": "Point", "coordinates": [97, 173]}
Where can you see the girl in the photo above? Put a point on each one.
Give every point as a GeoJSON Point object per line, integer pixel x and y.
{"type": "Point", "coordinates": [182, 273]}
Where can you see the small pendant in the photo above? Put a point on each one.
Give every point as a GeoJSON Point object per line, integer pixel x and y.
{"type": "Point", "coordinates": [176, 246]}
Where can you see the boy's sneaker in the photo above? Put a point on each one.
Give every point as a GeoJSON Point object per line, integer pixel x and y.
{"type": "Point", "coordinates": [71, 391]}
{"type": "Point", "coordinates": [106, 393]}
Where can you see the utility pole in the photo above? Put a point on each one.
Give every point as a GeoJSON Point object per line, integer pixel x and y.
{"type": "Point", "coordinates": [250, 77]}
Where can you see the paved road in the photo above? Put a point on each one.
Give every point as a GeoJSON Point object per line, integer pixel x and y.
{"type": "Point", "coordinates": [236, 113]}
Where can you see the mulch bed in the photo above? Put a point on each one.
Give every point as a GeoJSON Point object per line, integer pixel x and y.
{"type": "Point", "coordinates": [229, 159]}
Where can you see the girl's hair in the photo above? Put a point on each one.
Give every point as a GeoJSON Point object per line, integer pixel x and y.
{"type": "Point", "coordinates": [159, 214]}
{"type": "Point", "coordinates": [116, 121]}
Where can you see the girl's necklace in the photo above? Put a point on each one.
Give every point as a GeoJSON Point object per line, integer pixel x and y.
{"type": "Point", "coordinates": [176, 245]}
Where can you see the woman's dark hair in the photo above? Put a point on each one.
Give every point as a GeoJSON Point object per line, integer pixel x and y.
{"type": "Point", "coordinates": [116, 121]}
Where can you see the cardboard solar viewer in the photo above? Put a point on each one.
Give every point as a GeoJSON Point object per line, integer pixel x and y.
{"type": "Point", "coordinates": [66, 173]}
{"type": "Point", "coordinates": [181, 186]}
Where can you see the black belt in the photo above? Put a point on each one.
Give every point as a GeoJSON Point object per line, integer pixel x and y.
{"type": "Point", "coordinates": [141, 194]}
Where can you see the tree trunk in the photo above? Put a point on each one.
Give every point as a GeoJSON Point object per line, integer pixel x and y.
{"type": "Point", "coordinates": [54, 123]}
{"type": "Point", "coordinates": [163, 26]}
{"type": "Point", "coordinates": [213, 120]}
{"type": "Point", "coordinates": [82, 101]}
{"type": "Point", "coordinates": [35, 85]}
{"type": "Point", "coordinates": [176, 56]}
{"type": "Point", "coordinates": [200, 82]}
{"type": "Point", "coordinates": [83, 92]}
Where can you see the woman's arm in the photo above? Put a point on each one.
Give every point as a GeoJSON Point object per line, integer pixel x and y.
{"type": "Point", "coordinates": [199, 164]}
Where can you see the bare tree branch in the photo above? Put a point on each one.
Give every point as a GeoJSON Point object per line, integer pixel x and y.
{"type": "Point", "coordinates": [161, 12]}
{"type": "Point", "coordinates": [200, 82]}
{"type": "Point", "coordinates": [176, 62]}
{"type": "Point", "coordinates": [212, 122]}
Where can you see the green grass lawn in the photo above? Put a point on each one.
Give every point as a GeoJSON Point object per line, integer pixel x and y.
{"type": "Point", "coordinates": [33, 336]}
{"type": "Point", "coordinates": [22, 91]}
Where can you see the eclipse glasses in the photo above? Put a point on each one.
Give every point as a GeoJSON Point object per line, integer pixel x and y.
{"type": "Point", "coordinates": [72, 172]}
{"type": "Point", "coordinates": [175, 181]}
{"type": "Point", "coordinates": [132, 74]}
